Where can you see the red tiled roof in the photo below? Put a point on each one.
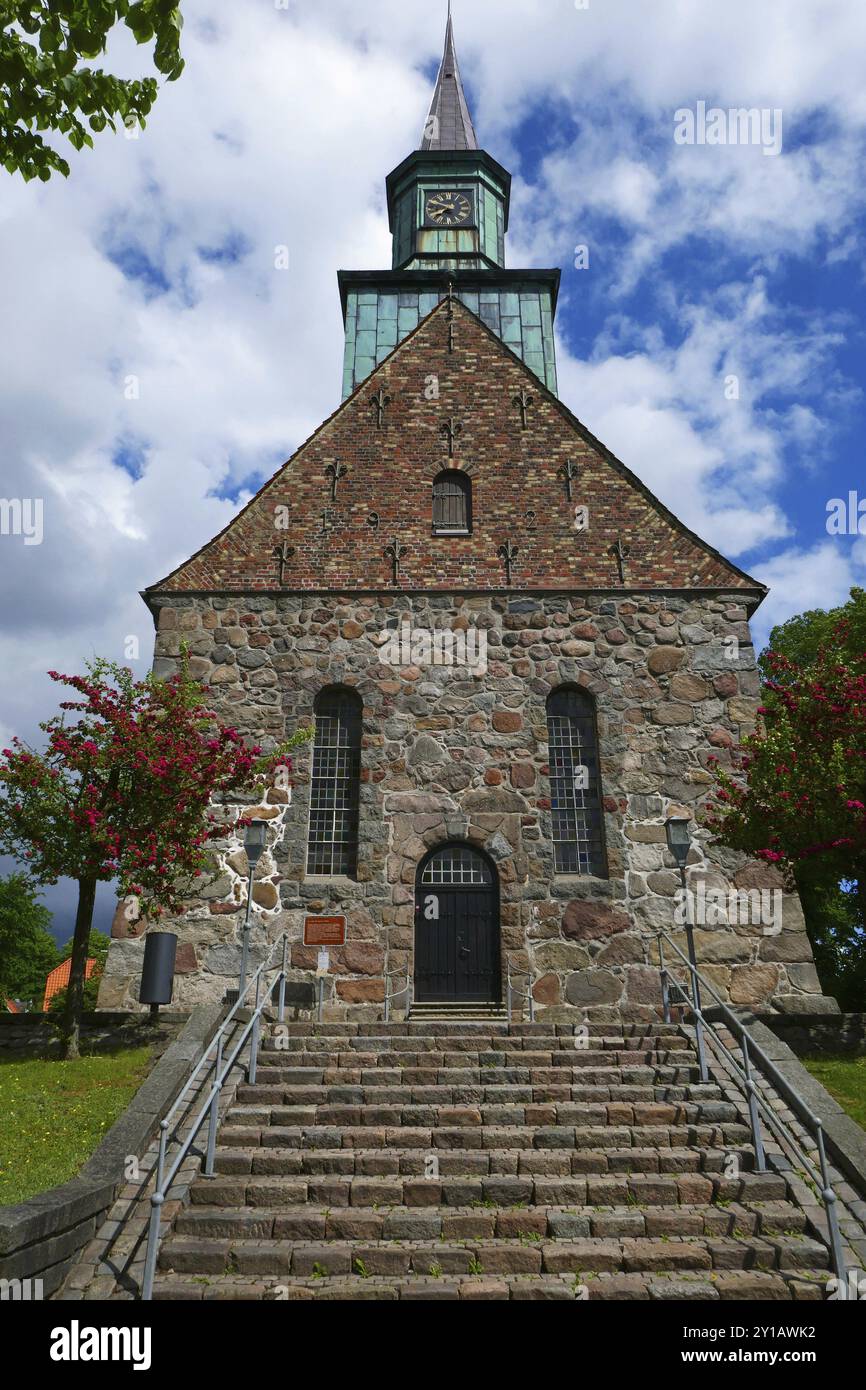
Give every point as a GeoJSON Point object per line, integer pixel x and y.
{"type": "Point", "coordinates": [12, 1007]}
{"type": "Point", "coordinates": [59, 979]}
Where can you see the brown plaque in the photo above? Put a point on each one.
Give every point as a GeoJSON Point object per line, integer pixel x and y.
{"type": "Point", "coordinates": [324, 931]}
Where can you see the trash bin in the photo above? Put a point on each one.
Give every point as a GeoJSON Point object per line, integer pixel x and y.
{"type": "Point", "coordinates": [157, 974]}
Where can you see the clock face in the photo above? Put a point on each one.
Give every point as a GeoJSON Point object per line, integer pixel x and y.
{"type": "Point", "coordinates": [446, 209]}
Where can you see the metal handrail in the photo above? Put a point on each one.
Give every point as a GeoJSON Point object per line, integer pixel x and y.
{"type": "Point", "coordinates": [512, 989]}
{"type": "Point", "coordinates": [757, 1103]}
{"type": "Point", "coordinates": [389, 993]}
{"type": "Point", "coordinates": [210, 1108]}
{"type": "Point", "coordinates": [395, 993]}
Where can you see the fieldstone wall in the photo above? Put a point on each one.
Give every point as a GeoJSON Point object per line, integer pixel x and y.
{"type": "Point", "coordinates": [456, 752]}
{"type": "Point", "coordinates": [811, 1035]}
{"type": "Point", "coordinates": [37, 1034]}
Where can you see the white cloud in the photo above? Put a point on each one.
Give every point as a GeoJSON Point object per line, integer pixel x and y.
{"type": "Point", "coordinates": [715, 454]}
{"type": "Point", "coordinates": [821, 576]}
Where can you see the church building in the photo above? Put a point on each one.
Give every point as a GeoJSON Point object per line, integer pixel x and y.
{"type": "Point", "coordinates": [519, 663]}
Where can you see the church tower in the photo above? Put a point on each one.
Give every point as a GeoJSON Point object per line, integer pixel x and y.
{"type": "Point", "coordinates": [519, 663]}
{"type": "Point", "coordinates": [448, 206]}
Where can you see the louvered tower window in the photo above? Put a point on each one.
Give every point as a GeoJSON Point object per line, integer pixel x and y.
{"type": "Point", "coordinates": [452, 504]}
{"type": "Point", "coordinates": [335, 784]}
{"type": "Point", "coordinates": [575, 784]}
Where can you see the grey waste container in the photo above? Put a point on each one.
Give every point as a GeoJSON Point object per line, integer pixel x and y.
{"type": "Point", "coordinates": [157, 975]}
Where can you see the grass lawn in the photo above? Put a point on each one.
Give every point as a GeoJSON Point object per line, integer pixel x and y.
{"type": "Point", "coordinates": [845, 1079]}
{"type": "Point", "coordinates": [54, 1114]}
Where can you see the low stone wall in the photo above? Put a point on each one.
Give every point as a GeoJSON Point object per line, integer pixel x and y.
{"type": "Point", "coordinates": [845, 1140]}
{"type": "Point", "coordinates": [41, 1238]}
{"type": "Point", "coordinates": [36, 1034]}
{"type": "Point", "coordinates": [821, 1035]}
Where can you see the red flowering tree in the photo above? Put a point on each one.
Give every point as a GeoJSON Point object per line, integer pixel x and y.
{"type": "Point", "coordinates": [797, 794]}
{"type": "Point", "coordinates": [125, 791]}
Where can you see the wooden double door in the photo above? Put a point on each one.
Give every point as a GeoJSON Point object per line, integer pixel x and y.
{"type": "Point", "coordinates": [457, 950]}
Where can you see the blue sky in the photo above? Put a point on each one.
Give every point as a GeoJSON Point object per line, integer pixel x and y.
{"type": "Point", "coordinates": [163, 366]}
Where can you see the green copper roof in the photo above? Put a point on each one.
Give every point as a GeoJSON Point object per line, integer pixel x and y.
{"type": "Point", "coordinates": [382, 307]}
{"type": "Point", "coordinates": [449, 125]}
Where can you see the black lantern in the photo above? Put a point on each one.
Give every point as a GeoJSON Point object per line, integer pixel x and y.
{"type": "Point", "coordinates": [679, 839]}
{"type": "Point", "coordinates": [255, 841]}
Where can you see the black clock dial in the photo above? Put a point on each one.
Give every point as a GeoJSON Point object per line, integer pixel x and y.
{"type": "Point", "coordinates": [446, 209]}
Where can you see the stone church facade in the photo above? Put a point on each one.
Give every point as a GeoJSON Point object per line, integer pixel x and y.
{"type": "Point", "coordinates": [520, 664]}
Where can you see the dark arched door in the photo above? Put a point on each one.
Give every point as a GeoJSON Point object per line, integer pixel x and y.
{"type": "Point", "coordinates": [457, 927]}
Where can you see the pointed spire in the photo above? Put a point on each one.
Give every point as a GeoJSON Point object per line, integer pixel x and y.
{"type": "Point", "coordinates": [449, 125]}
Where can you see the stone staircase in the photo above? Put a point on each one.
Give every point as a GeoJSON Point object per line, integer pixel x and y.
{"type": "Point", "coordinates": [446, 1160]}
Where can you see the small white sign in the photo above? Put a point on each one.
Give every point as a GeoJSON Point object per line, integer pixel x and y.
{"type": "Point", "coordinates": [324, 963]}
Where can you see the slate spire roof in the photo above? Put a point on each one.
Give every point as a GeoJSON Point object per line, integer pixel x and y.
{"type": "Point", "coordinates": [449, 125]}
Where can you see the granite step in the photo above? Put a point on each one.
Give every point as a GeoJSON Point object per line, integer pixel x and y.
{"type": "Point", "coordinates": [260, 1255]}
{"type": "Point", "coordinates": [382, 1072]}
{"type": "Point", "coordinates": [321, 1222]}
{"type": "Point", "coordinates": [723, 1285]}
{"type": "Point", "coordinates": [307, 1136]}
{"type": "Point", "coordinates": [601, 1050]}
{"type": "Point", "coordinates": [480, 1016]}
{"type": "Point", "coordinates": [278, 1039]}
{"type": "Point", "coordinates": [425, 1067]}
{"type": "Point", "coordinates": [576, 1114]}
{"type": "Point", "coordinates": [273, 1091]}
{"type": "Point", "coordinates": [618, 1028]}
{"type": "Point", "coordinates": [497, 1189]}
{"type": "Point", "coordinates": [394, 1161]}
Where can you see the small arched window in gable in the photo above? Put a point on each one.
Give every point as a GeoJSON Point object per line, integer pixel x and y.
{"type": "Point", "coordinates": [452, 504]}
{"type": "Point", "coordinates": [575, 784]}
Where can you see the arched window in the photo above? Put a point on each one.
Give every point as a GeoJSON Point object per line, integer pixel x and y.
{"type": "Point", "coordinates": [575, 784]}
{"type": "Point", "coordinates": [452, 504]}
{"type": "Point", "coordinates": [335, 783]}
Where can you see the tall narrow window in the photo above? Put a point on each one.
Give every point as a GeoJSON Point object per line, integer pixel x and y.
{"type": "Point", "coordinates": [335, 783]}
{"type": "Point", "coordinates": [452, 504]}
{"type": "Point", "coordinates": [575, 784]}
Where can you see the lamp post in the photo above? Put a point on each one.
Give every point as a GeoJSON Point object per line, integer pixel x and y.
{"type": "Point", "coordinates": [255, 842]}
{"type": "Point", "coordinates": [679, 844]}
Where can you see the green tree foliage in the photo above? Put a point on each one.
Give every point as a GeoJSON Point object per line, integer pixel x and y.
{"type": "Point", "coordinates": [124, 792]}
{"type": "Point", "coordinates": [801, 638]}
{"type": "Point", "coordinates": [797, 795]}
{"type": "Point", "coordinates": [97, 949]}
{"type": "Point", "coordinates": [837, 930]}
{"type": "Point", "coordinates": [47, 84]}
{"type": "Point", "coordinates": [27, 949]}
{"type": "Point", "coordinates": [835, 911]}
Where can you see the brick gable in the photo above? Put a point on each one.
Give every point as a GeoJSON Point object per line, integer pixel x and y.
{"type": "Point", "coordinates": [519, 492]}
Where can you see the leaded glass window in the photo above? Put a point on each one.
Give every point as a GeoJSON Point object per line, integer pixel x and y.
{"type": "Point", "coordinates": [575, 784]}
{"type": "Point", "coordinates": [335, 784]}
